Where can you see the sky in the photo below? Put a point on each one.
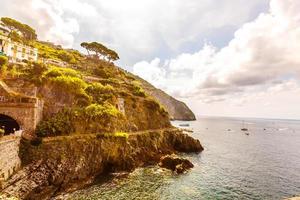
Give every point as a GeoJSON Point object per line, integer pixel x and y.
{"type": "Point", "coordinates": [222, 58]}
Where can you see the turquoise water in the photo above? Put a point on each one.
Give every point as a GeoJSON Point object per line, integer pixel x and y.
{"type": "Point", "coordinates": [262, 165]}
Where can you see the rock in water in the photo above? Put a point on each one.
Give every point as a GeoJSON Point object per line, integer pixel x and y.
{"type": "Point", "coordinates": [174, 163]}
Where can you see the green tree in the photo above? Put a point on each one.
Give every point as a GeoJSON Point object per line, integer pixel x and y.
{"type": "Point", "coordinates": [86, 46]}
{"type": "Point", "coordinates": [112, 55]}
{"type": "Point", "coordinates": [14, 25]}
{"type": "Point", "coordinates": [3, 61]}
{"type": "Point", "coordinates": [15, 36]}
{"type": "Point", "coordinates": [100, 51]}
{"type": "Point", "coordinates": [3, 66]}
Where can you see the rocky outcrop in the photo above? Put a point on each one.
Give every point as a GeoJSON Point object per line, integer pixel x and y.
{"type": "Point", "coordinates": [65, 163]}
{"type": "Point", "coordinates": [174, 163]}
{"type": "Point", "coordinates": [178, 110]}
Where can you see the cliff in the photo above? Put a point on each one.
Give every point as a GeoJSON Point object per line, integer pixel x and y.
{"type": "Point", "coordinates": [97, 92]}
{"type": "Point", "coordinates": [96, 119]}
{"type": "Point", "coordinates": [177, 110]}
{"type": "Point", "coordinates": [64, 163]}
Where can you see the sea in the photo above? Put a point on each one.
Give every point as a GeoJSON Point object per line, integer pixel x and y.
{"type": "Point", "coordinates": [261, 163]}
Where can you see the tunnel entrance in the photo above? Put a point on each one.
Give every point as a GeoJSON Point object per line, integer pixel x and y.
{"type": "Point", "coordinates": [8, 124]}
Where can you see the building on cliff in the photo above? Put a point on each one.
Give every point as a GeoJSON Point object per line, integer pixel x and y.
{"type": "Point", "coordinates": [15, 51]}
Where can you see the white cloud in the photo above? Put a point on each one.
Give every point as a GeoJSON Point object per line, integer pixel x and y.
{"type": "Point", "coordinates": [136, 29]}
{"type": "Point", "coordinates": [151, 72]}
{"type": "Point", "coordinates": [49, 17]}
{"type": "Point", "coordinates": [262, 56]}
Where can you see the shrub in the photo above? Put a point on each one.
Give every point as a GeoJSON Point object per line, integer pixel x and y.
{"type": "Point", "coordinates": [70, 84]}
{"type": "Point", "coordinates": [112, 135]}
{"type": "Point", "coordinates": [14, 72]}
{"type": "Point", "coordinates": [67, 57]}
{"type": "Point", "coordinates": [99, 92]}
{"type": "Point", "coordinates": [155, 105]}
{"type": "Point", "coordinates": [3, 61]}
{"type": "Point", "coordinates": [138, 91]}
{"type": "Point", "coordinates": [121, 134]}
{"type": "Point", "coordinates": [57, 53]}
{"type": "Point", "coordinates": [58, 71]}
{"type": "Point", "coordinates": [34, 72]}
{"type": "Point", "coordinates": [101, 73]}
{"type": "Point", "coordinates": [3, 71]}
{"type": "Point", "coordinates": [59, 124]}
{"type": "Point", "coordinates": [98, 112]}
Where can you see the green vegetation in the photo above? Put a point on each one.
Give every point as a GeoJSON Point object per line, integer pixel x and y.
{"type": "Point", "coordinates": [34, 72]}
{"type": "Point", "coordinates": [100, 93]}
{"type": "Point", "coordinates": [121, 134]}
{"type": "Point", "coordinates": [3, 61]}
{"type": "Point", "coordinates": [100, 50]}
{"type": "Point", "coordinates": [100, 112]}
{"type": "Point", "coordinates": [137, 90]}
{"type": "Point", "coordinates": [91, 87]}
{"type": "Point", "coordinates": [66, 57]}
{"type": "Point", "coordinates": [64, 122]}
{"type": "Point", "coordinates": [14, 25]}
{"type": "Point", "coordinates": [155, 105]}
{"type": "Point", "coordinates": [70, 81]}
{"type": "Point", "coordinates": [112, 135]}
{"type": "Point", "coordinates": [3, 66]}
{"type": "Point", "coordinates": [54, 72]}
{"type": "Point", "coordinates": [59, 124]}
{"type": "Point", "coordinates": [48, 51]}
{"type": "Point", "coordinates": [71, 84]}
{"type": "Point", "coordinates": [14, 36]}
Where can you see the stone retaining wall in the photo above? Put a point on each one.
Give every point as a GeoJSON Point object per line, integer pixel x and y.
{"type": "Point", "coordinates": [9, 157]}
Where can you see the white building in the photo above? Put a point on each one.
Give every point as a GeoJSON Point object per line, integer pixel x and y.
{"type": "Point", "coordinates": [15, 51]}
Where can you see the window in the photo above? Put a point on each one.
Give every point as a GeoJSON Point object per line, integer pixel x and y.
{"type": "Point", "coordinates": [15, 48]}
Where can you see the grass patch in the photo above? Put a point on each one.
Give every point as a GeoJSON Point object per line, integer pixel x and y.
{"type": "Point", "coordinates": [49, 51]}
{"type": "Point", "coordinates": [112, 135]}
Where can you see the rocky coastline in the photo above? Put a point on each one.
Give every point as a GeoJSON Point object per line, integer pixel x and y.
{"type": "Point", "coordinates": [67, 163]}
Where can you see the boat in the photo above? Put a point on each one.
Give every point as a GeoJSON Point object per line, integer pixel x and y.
{"type": "Point", "coordinates": [244, 128]}
{"type": "Point", "coordinates": [247, 133]}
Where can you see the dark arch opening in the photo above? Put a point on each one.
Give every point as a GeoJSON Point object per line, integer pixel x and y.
{"type": "Point", "coordinates": [8, 124]}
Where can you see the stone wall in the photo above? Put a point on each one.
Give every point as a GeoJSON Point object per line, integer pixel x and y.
{"type": "Point", "coordinates": [27, 115]}
{"type": "Point", "coordinates": [9, 157]}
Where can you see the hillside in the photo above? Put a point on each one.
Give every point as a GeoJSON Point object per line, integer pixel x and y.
{"type": "Point", "coordinates": [92, 117]}
{"type": "Point", "coordinates": [77, 88]}
{"type": "Point", "coordinates": [91, 92]}
{"type": "Point", "coordinates": [177, 110]}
